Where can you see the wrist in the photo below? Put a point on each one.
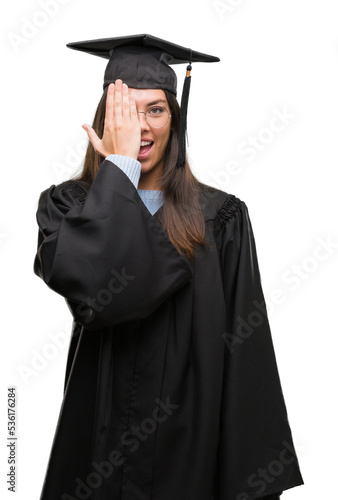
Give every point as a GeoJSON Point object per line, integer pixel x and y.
{"type": "Point", "coordinates": [123, 155]}
{"type": "Point", "coordinates": [128, 153]}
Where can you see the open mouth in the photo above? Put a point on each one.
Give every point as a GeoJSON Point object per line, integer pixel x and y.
{"type": "Point", "coordinates": [145, 149]}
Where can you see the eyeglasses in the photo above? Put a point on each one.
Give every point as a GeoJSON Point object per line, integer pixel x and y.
{"type": "Point", "coordinates": [156, 116]}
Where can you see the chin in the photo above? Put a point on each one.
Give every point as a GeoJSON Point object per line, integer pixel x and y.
{"type": "Point", "coordinates": [146, 166]}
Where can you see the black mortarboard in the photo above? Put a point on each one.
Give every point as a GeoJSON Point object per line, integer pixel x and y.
{"type": "Point", "coordinates": [142, 61]}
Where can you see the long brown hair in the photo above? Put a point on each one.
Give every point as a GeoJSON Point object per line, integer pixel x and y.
{"type": "Point", "coordinates": [182, 216]}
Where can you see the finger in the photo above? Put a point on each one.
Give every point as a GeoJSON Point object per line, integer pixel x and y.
{"type": "Point", "coordinates": [133, 110]}
{"type": "Point", "coordinates": [118, 99]}
{"type": "Point", "coordinates": [125, 101]}
{"type": "Point", "coordinates": [109, 116]}
{"type": "Point", "coordinates": [94, 139]}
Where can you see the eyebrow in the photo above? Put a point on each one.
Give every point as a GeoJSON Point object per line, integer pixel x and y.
{"type": "Point", "coordinates": [156, 102]}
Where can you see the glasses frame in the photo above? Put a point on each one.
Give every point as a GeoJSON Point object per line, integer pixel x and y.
{"type": "Point", "coordinates": [145, 115]}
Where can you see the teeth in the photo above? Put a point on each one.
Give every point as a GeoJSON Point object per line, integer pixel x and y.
{"type": "Point", "coordinates": [145, 143]}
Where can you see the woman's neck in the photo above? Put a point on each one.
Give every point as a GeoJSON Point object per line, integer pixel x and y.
{"type": "Point", "coordinates": [151, 180]}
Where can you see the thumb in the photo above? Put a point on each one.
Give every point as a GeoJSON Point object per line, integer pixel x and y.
{"type": "Point", "coordinates": [94, 139]}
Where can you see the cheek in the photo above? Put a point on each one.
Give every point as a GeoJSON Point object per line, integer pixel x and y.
{"type": "Point", "coordinates": [163, 137]}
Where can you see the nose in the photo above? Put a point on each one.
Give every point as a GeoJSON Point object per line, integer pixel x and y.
{"type": "Point", "coordinates": [143, 122]}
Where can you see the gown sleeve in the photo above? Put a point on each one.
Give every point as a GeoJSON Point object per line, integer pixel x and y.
{"type": "Point", "coordinates": [104, 252]}
{"type": "Point", "coordinates": [256, 454]}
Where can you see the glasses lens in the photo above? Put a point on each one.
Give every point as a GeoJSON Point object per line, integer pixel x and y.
{"type": "Point", "coordinates": [157, 116]}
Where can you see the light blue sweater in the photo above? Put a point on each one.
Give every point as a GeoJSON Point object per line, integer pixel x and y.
{"type": "Point", "coordinates": [152, 198]}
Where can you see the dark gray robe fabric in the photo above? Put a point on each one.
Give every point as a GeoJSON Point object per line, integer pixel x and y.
{"type": "Point", "coordinates": [172, 390]}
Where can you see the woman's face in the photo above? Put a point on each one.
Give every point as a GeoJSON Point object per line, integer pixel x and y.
{"type": "Point", "coordinates": [151, 156]}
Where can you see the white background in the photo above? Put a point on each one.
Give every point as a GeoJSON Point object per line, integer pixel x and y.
{"type": "Point", "coordinates": [276, 57]}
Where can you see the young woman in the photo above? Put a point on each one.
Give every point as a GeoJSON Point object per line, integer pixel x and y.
{"type": "Point", "coordinates": [172, 390]}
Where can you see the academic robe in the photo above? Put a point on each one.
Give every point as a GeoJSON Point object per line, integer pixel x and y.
{"type": "Point", "coordinates": [172, 390]}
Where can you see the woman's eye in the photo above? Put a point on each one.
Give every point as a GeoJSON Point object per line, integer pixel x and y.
{"type": "Point", "coordinates": [157, 110]}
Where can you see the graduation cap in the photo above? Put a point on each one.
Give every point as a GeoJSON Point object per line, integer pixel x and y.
{"type": "Point", "coordinates": [143, 62]}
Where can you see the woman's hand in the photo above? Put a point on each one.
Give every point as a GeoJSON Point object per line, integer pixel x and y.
{"type": "Point", "coordinates": [122, 131]}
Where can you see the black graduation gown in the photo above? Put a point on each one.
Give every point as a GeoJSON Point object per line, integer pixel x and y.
{"type": "Point", "coordinates": [172, 390]}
